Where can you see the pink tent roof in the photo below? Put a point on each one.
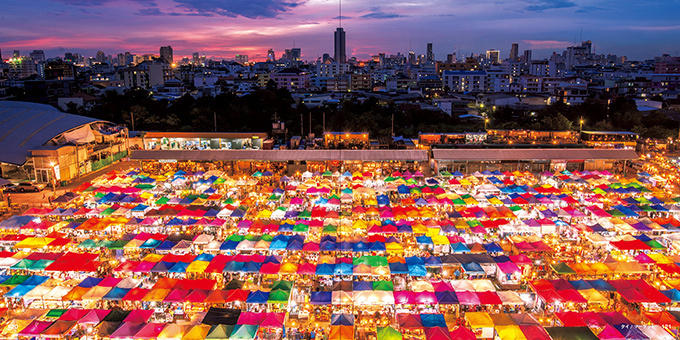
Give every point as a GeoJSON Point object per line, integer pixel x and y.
{"type": "Point", "coordinates": [109, 281]}
{"type": "Point", "coordinates": [610, 333]}
{"type": "Point", "coordinates": [462, 333]}
{"type": "Point", "coordinates": [468, 298]}
{"type": "Point", "coordinates": [138, 316]}
{"type": "Point", "coordinates": [437, 333]}
{"type": "Point", "coordinates": [426, 298]}
{"type": "Point", "coordinates": [404, 298]}
{"type": "Point", "coordinates": [273, 320]}
{"type": "Point", "coordinates": [126, 330]}
{"type": "Point", "coordinates": [508, 267]}
{"type": "Point", "coordinates": [250, 318]}
{"type": "Point", "coordinates": [150, 331]}
{"type": "Point", "coordinates": [644, 259]}
{"type": "Point", "coordinates": [94, 316]}
{"type": "Point", "coordinates": [74, 314]}
{"type": "Point", "coordinates": [35, 328]}
{"type": "Point", "coordinates": [534, 332]}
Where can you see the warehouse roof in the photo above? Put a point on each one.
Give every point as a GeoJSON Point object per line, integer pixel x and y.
{"type": "Point", "coordinates": [532, 154]}
{"type": "Point", "coordinates": [26, 126]}
{"type": "Point", "coordinates": [283, 155]}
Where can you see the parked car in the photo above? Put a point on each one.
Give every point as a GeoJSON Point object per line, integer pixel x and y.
{"type": "Point", "coordinates": [25, 186]}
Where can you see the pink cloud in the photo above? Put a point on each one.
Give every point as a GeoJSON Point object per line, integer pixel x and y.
{"type": "Point", "coordinates": [547, 44]}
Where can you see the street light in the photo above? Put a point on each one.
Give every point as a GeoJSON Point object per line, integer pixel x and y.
{"type": "Point", "coordinates": [54, 176]}
{"type": "Point", "coordinates": [486, 121]}
{"type": "Point", "coordinates": [580, 129]}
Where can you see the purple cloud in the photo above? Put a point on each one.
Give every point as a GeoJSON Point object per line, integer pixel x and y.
{"type": "Point", "coordinates": [542, 5]}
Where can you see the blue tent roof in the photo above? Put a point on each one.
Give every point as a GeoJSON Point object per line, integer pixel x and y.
{"type": "Point", "coordinates": [433, 320]}
{"type": "Point", "coordinates": [258, 297]}
{"type": "Point", "coordinates": [343, 269]}
{"type": "Point", "coordinates": [19, 291]}
{"type": "Point", "coordinates": [150, 244]}
{"type": "Point", "coordinates": [233, 267]}
{"type": "Point", "coordinates": [473, 268]}
{"type": "Point", "coordinates": [116, 294]}
{"type": "Point", "coordinates": [342, 320]}
{"type": "Point", "coordinates": [417, 270]}
{"type": "Point", "coordinates": [601, 285]}
{"type": "Point", "coordinates": [89, 282]}
{"type": "Point", "coordinates": [35, 280]}
{"type": "Point", "coordinates": [325, 269]}
{"type": "Point", "coordinates": [251, 267]}
{"type": "Point", "coordinates": [162, 267]}
{"type": "Point", "coordinates": [362, 285]}
{"type": "Point", "coordinates": [446, 298]}
{"type": "Point", "coordinates": [166, 245]}
{"type": "Point", "coordinates": [398, 268]}
{"type": "Point", "coordinates": [321, 298]}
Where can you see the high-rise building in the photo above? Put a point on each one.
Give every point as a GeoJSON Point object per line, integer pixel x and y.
{"type": "Point", "coordinates": [241, 58]}
{"type": "Point", "coordinates": [430, 53]}
{"type": "Point", "coordinates": [451, 58]}
{"type": "Point", "coordinates": [412, 58]}
{"type": "Point", "coordinates": [271, 56]}
{"type": "Point", "coordinates": [325, 57]}
{"type": "Point", "coordinates": [514, 52]}
{"type": "Point", "coordinates": [101, 57]}
{"type": "Point", "coordinates": [527, 56]}
{"type": "Point", "coordinates": [493, 56]}
{"type": "Point", "coordinates": [16, 54]}
{"type": "Point", "coordinates": [340, 55]}
{"type": "Point", "coordinates": [293, 54]}
{"type": "Point", "coordinates": [37, 55]}
{"type": "Point", "coordinates": [166, 52]}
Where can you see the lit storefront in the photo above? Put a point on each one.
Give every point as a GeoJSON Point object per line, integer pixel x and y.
{"type": "Point", "coordinates": [203, 140]}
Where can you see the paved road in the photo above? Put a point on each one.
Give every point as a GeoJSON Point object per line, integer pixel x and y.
{"type": "Point", "coordinates": [35, 199]}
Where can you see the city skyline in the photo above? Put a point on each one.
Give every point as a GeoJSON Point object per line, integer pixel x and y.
{"type": "Point", "coordinates": [639, 30]}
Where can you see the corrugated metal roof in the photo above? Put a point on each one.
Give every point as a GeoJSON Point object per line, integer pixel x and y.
{"type": "Point", "coordinates": [531, 154]}
{"type": "Point", "coordinates": [25, 126]}
{"type": "Point", "coordinates": [283, 155]}
{"type": "Point", "coordinates": [225, 135]}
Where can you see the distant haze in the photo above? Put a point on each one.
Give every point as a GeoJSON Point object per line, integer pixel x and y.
{"type": "Point", "coordinates": [223, 28]}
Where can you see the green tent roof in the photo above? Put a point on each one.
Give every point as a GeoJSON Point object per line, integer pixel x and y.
{"type": "Point", "coordinates": [562, 268]}
{"type": "Point", "coordinates": [279, 296]}
{"type": "Point", "coordinates": [389, 333]}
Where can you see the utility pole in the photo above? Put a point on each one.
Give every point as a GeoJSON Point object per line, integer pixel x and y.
{"type": "Point", "coordinates": [132, 119]}
{"type": "Point", "coordinates": [393, 125]}
{"type": "Point", "coordinates": [310, 122]}
{"type": "Point", "coordinates": [215, 119]}
{"type": "Point", "coordinates": [302, 127]}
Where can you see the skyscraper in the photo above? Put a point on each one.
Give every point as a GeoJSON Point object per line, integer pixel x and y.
{"type": "Point", "coordinates": [271, 56]}
{"type": "Point", "coordinates": [493, 56]}
{"type": "Point", "coordinates": [527, 56]}
{"type": "Point", "coordinates": [430, 54]}
{"type": "Point", "coordinates": [514, 52]}
{"type": "Point", "coordinates": [16, 54]}
{"type": "Point", "coordinates": [37, 55]}
{"type": "Point", "coordinates": [166, 53]}
{"type": "Point", "coordinates": [340, 55]}
{"type": "Point", "coordinates": [101, 57]}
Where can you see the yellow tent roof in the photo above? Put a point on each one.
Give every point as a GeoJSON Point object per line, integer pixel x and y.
{"type": "Point", "coordinates": [479, 320]}
{"type": "Point", "coordinates": [197, 266]}
{"type": "Point", "coordinates": [153, 258]}
{"type": "Point", "coordinates": [288, 268]}
{"type": "Point", "coordinates": [33, 242]}
{"type": "Point", "coordinates": [440, 239]}
{"type": "Point", "coordinates": [198, 332]}
{"type": "Point", "coordinates": [172, 331]}
{"type": "Point", "coordinates": [156, 295]}
{"type": "Point", "coordinates": [510, 332]}
{"type": "Point", "coordinates": [393, 246]}
{"type": "Point", "coordinates": [422, 286]}
{"type": "Point", "coordinates": [593, 296]}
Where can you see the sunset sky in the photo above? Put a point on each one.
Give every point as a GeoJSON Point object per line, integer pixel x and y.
{"type": "Point", "coordinates": [222, 28]}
